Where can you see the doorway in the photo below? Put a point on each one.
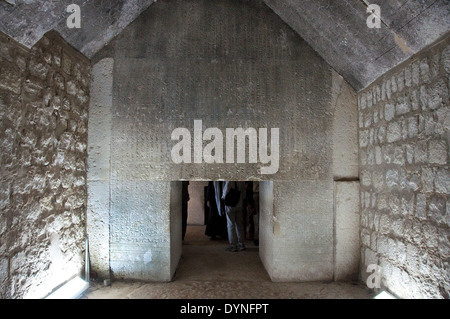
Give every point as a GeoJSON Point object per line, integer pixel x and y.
{"type": "Point", "coordinates": [204, 252]}
{"type": "Point", "coordinates": [202, 212]}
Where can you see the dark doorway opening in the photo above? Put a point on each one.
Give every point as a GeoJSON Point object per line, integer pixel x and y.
{"type": "Point", "coordinates": [205, 222]}
{"type": "Point", "coordinates": [203, 259]}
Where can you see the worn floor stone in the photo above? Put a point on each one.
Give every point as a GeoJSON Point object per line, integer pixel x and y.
{"type": "Point", "coordinates": [206, 271]}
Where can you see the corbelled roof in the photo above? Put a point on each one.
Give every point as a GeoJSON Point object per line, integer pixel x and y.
{"type": "Point", "coordinates": [336, 29]}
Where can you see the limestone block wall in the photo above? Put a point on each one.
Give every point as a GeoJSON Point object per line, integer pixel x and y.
{"type": "Point", "coordinates": [143, 232]}
{"type": "Point", "coordinates": [175, 226]}
{"type": "Point", "coordinates": [405, 181]}
{"type": "Point", "coordinates": [346, 220]}
{"type": "Point", "coordinates": [266, 224]}
{"type": "Point", "coordinates": [345, 169]}
{"type": "Point", "coordinates": [44, 95]}
{"type": "Point", "coordinates": [237, 65]}
{"type": "Point", "coordinates": [99, 165]}
{"type": "Point", "coordinates": [230, 64]}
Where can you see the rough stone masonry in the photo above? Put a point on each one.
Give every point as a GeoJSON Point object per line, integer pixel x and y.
{"type": "Point", "coordinates": [44, 95]}
{"type": "Point", "coordinates": [405, 181]}
{"type": "Point", "coordinates": [229, 64]}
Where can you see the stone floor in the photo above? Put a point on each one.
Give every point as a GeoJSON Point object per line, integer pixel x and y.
{"type": "Point", "coordinates": [207, 271]}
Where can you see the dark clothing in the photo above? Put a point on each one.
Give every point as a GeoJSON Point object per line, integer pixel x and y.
{"type": "Point", "coordinates": [184, 208]}
{"type": "Point", "coordinates": [249, 226]}
{"type": "Point", "coordinates": [184, 191]}
{"type": "Point", "coordinates": [249, 193]}
{"type": "Point", "coordinates": [216, 224]}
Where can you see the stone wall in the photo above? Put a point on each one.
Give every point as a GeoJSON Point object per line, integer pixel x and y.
{"type": "Point", "coordinates": [44, 96]}
{"type": "Point", "coordinates": [99, 165]}
{"type": "Point", "coordinates": [230, 64]}
{"type": "Point", "coordinates": [403, 136]}
{"type": "Point", "coordinates": [347, 241]}
{"type": "Point", "coordinates": [237, 65]}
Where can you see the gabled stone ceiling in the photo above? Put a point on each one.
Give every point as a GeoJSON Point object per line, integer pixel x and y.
{"type": "Point", "coordinates": [336, 29]}
{"type": "Point", "coordinates": [28, 20]}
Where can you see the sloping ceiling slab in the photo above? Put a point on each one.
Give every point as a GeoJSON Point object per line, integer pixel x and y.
{"type": "Point", "coordinates": [27, 21]}
{"type": "Point", "coordinates": [338, 31]}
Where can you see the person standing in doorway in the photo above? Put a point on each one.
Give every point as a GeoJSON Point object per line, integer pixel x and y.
{"type": "Point", "coordinates": [184, 208]}
{"type": "Point", "coordinates": [236, 235]}
{"type": "Point", "coordinates": [249, 226]}
{"type": "Point", "coordinates": [216, 223]}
